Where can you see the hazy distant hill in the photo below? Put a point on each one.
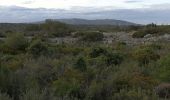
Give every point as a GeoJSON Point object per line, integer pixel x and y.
{"type": "Point", "coordinates": [95, 22]}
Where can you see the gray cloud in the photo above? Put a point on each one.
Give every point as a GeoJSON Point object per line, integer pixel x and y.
{"type": "Point", "coordinates": [20, 14]}
{"type": "Point", "coordinates": [28, 2]}
{"type": "Point", "coordinates": [160, 6]}
{"type": "Point", "coordinates": [133, 1]}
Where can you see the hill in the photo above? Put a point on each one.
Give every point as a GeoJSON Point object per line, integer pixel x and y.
{"type": "Point", "coordinates": [76, 21]}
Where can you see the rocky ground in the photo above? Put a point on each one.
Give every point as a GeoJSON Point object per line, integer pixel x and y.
{"type": "Point", "coordinates": [110, 38]}
{"type": "Point", "coordinates": [127, 38]}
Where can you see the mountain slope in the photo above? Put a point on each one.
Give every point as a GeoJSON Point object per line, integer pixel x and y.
{"type": "Point", "coordinates": [95, 22]}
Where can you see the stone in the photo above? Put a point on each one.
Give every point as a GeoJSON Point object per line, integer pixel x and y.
{"type": "Point", "coordinates": [163, 90]}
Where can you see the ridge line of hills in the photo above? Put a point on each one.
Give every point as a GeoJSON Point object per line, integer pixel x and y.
{"type": "Point", "coordinates": [77, 21]}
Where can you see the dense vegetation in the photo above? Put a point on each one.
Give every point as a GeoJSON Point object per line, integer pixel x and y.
{"type": "Point", "coordinates": [152, 29]}
{"type": "Point", "coordinates": [39, 70]}
{"type": "Point", "coordinates": [89, 36]}
{"type": "Point", "coordinates": [57, 29]}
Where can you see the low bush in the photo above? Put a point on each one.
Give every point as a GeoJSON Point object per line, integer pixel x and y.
{"type": "Point", "coordinates": [37, 47]}
{"type": "Point", "coordinates": [114, 58]}
{"type": "Point", "coordinates": [4, 97]}
{"type": "Point", "coordinates": [15, 42]}
{"type": "Point", "coordinates": [90, 36]}
{"type": "Point", "coordinates": [145, 55]}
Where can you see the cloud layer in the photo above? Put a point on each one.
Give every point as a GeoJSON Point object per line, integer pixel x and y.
{"type": "Point", "coordinates": [67, 4]}
{"type": "Point", "coordinates": [157, 13]}
{"type": "Point", "coordinates": [20, 14]}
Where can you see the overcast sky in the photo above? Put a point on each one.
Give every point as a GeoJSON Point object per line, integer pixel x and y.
{"type": "Point", "coordinates": [68, 4]}
{"type": "Point", "coordinates": [17, 10]}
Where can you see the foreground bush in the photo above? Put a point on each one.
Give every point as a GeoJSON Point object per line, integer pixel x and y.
{"type": "Point", "coordinates": [134, 94]}
{"type": "Point", "coordinates": [98, 52]}
{"type": "Point", "coordinates": [36, 94]}
{"type": "Point", "coordinates": [114, 58]}
{"type": "Point", "coordinates": [80, 71]}
{"type": "Point", "coordinates": [4, 97]}
{"type": "Point", "coordinates": [80, 64]}
{"type": "Point", "coordinates": [145, 55]}
{"type": "Point", "coordinates": [15, 43]}
{"type": "Point", "coordinates": [163, 70]}
{"type": "Point", "coordinates": [37, 47]}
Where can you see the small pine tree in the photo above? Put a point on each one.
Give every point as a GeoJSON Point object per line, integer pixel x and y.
{"type": "Point", "coordinates": [80, 64]}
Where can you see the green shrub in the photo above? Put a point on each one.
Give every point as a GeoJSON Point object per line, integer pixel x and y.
{"type": "Point", "coordinates": [4, 79]}
{"type": "Point", "coordinates": [90, 36]}
{"type": "Point", "coordinates": [120, 46]}
{"type": "Point", "coordinates": [37, 47]}
{"type": "Point", "coordinates": [145, 55]}
{"type": "Point", "coordinates": [64, 88]}
{"type": "Point", "coordinates": [70, 85]}
{"type": "Point", "coordinates": [56, 29]}
{"type": "Point", "coordinates": [163, 70]}
{"type": "Point", "coordinates": [135, 94]}
{"type": "Point", "coordinates": [80, 64]}
{"type": "Point", "coordinates": [95, 91]}
{"type": "Point", "coordinates": [139, 34]}
{"type": "Point", "coordinates": [33, 27]}
{"type": "Point", "coordinates": [114, 58]}
{"type": "Point", "coordinates": [97, 52]}
{"type": "Point", "coordinates": [4, 97]}
{"type": "Point", "coordinates": [16, 42]}
{"type": "Point", "coordinates": [35, 94]}
{"type": "Point", "coordinates": [151, 29]}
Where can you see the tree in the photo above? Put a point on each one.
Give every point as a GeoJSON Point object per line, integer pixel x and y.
{"type": "Point", "coordinates": [80, 64]}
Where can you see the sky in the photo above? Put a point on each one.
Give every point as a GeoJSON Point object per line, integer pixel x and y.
{"type": "Point", "coordinates": [17, 10]}
{"type": "Point", "coordinates": [68, 4]}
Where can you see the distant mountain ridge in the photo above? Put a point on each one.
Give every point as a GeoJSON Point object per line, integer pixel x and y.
{"type": "Point", "coordinates": [76, 21]}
